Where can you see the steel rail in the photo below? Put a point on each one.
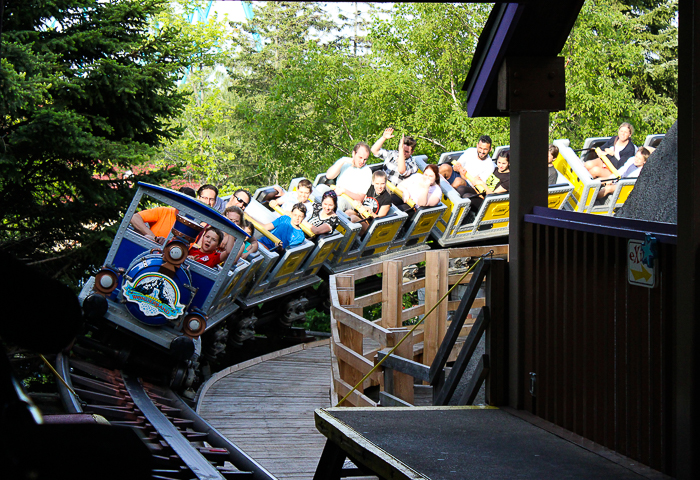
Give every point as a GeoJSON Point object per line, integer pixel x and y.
{"type": "Point", "coordinates": [194, 460]}
{"type": "Point", "coordinates": [70, 402]}
{"type": "Point", "coordinates": [183, 444]}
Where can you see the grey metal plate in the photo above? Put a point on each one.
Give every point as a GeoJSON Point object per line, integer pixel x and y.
{"type": "Point", "coordinates": [457, 443]}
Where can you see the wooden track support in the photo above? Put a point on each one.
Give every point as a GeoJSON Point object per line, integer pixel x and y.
{"type": "Point", "coordinates": [350, 338]}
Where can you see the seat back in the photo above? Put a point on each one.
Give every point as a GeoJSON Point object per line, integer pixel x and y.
{"type": "Point", "coordinates": [277, 272]}
{"type": "Point", "coordinates": [653, 140]}
{"type": "Point", "coordinates": [589, 146]}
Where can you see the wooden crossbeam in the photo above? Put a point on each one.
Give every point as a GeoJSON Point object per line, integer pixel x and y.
{"type": "Point", "coordinates": [482, 371]}
{"type": "Point", "coordinates": [404, 365]}
{"type": "Point", "coordinates": [444, 395]}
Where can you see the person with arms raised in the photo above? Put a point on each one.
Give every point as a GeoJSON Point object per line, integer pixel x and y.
{"type": "Point", "coordinates": [398, 164]}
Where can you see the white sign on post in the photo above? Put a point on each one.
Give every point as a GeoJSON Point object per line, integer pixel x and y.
{"type": "Point", "coordinates": [641, 262]}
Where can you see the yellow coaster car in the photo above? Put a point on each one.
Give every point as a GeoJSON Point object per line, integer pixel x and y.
{"type": "Point", "coordinates": [460, 225]}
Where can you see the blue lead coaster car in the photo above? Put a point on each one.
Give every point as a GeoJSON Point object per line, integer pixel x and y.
{"type": "Point", "coordinates": [155, 292]}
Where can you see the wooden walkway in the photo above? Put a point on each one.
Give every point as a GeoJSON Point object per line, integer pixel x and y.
{"type": "Point", "coordinates": [266, 407]}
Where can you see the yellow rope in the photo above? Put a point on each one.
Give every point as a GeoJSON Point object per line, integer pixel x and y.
{"type": "Point", "coordinates": [410, 332]}
{"type": "Point", "coordinates": [59, 376]}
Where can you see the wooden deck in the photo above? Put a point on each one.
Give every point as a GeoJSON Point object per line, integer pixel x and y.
{"type": "Point", "coordinates": [266, 407]}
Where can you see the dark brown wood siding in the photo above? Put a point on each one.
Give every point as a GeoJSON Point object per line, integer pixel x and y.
{"type": "Point", "coordinates": [601, 349]}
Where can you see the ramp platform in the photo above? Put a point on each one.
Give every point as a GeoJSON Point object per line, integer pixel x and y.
{"type": "Point", "coordinates": [452, 443]}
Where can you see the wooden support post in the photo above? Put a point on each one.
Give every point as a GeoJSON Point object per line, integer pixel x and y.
{"type": "Point", "coordinates": [331, 463]}
{"type": "Point", "coordinates": [458, 320]}
{"type": "Point", "coordinates": [465, 355]}
{"type": "Point", "coordinates": [392, 299]}
{"type": "Point", "coordinates": [388, 380]}
{"type": "Point", "coordinates": [352, 339]}
{"type": "Point", "coordinates": [529, 136]}
{"type": "Point", "coordinates": [435, 324]}
{"type": "Point", "coordinates": [480, 374]}
{"type": "Point", "coordinates": [686, 328]}
{"type": "Point", "coordinates": [389, 400]}
{"type": "Point", "coordinates": [403, 383]}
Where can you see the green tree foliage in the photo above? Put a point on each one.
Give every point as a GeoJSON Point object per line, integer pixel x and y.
{"type": "Point", "coordinates": [86, 88]}
{"type": "Point", "coordinates": [204, 152]}
{"type": "Point", "coordinates": [309, 100]}
{"type": "Point", "coordinates": [315, 112]}
{"type": "Point", "coordinates": [269, 49]}
{"type": "Point", "coordinates": [93, 94]}
{"type": "Point", "coordinates": [266, 43]}
{"type": "Point", "coordinates": [306, 102]}
{"type": "Point", "coordinates": [658, 34]}
{"type": "Point", "coordinates": [422, 53]}
{"type": "Point", "coordinates": [209, 150]}
{"type": "Point", "coordinates": [632, 76]}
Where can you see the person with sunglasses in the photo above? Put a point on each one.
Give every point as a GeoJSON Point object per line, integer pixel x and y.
{"type": "Point", "coordinates": [323, 219]}
{"type": "Point", "coordinates": [240, 198]}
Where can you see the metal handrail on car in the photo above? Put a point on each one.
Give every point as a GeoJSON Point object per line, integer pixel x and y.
{"type": "Point", "coordinates": [264, 231]}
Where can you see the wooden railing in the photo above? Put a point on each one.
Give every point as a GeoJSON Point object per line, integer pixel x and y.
{"type": "Point", "coordinates": [442, 385]}
{"type": "Point", "coordinates": [355, 341]}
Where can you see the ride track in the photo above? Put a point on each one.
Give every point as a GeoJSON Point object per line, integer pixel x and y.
{"type": "Point", "coordinates": [182, 444]}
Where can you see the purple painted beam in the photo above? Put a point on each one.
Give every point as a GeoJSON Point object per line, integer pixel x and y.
{"type": "Point", "coordinates": [488, 72]}
{"type": "Point", "coordinates": [617, 227]}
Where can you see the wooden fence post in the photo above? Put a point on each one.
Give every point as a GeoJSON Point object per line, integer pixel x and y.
{"type": "Point", "coordinates": [345, 286]}
{"type": "Point", "coordinates": [392, 298]}
{"type": "Point", "coordinates": [434, 325]}
{"type": "Point", "coordinates": [403, 383]}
